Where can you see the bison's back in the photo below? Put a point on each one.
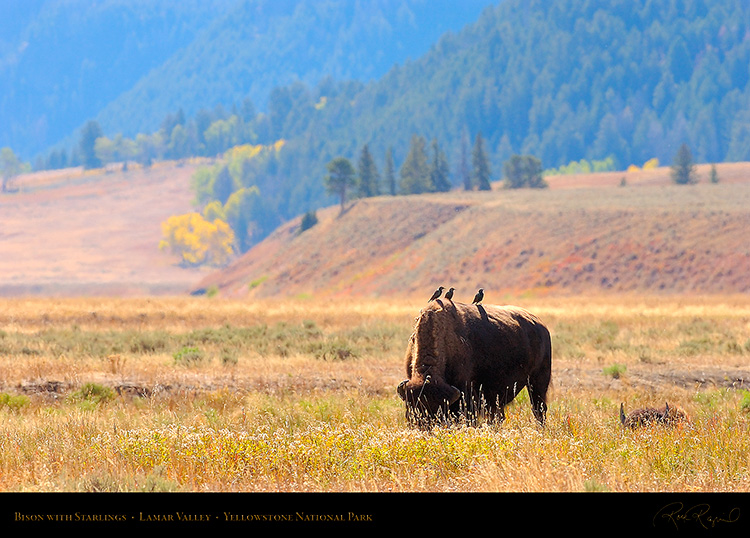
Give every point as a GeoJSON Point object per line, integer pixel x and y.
{"type": "Point", "coordinates": [506, 331]}
{"type": "Point", "coordinates": [480, 340]}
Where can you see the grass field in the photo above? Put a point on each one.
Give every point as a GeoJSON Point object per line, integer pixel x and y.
{"type": "Point", "coordinates": [207, 394]}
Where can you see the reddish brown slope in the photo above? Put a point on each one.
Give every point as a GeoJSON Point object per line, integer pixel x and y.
{"type": "Point", "coordinates": [649, 236]}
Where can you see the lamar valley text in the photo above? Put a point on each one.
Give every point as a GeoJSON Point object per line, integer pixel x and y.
{"type": "Point", "coordinates": [184, 517]}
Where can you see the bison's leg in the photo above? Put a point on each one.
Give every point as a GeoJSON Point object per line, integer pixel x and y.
{"type": "Point", "coordinates": [537, 387]}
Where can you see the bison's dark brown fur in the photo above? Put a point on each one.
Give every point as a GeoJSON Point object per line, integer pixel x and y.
{"type": "Point", "coordinates": [463, 359]}
{"type": "Point", "coordinates": [648, 416]}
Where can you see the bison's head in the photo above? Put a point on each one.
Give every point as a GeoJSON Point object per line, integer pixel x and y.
{"type": "Point", "coordinates": [427, 400]}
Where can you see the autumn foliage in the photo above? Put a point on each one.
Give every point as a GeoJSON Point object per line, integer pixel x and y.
{"type": "Point", "coordinates": [198, 241]}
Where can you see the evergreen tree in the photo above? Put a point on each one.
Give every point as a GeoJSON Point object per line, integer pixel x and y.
{"type": "Point", "coordinates": [415, 173]}
{"type": "Point", "coordinates": [248, 111]}
{"type": "Point", "coordinates": [464, 172]}
{"type": "Point", "coordinates": [222, 185]}
{"type": "Point", "coordinates": [683, 168]}
{"type": "Point", "coordinates": [340, 178]}
{"type": "Point", "coordinates": [480, 165]}
{"type": "Point", "coordinates": [714, 175]}
{"type": "Point", "coordinates": [390, 172]}
{"type": "Point", "coordinates": [368, 181]}
{"type": "Point", "coordinates": [439, 171]}
{"type": "Point", "coordinates": [523, 171]}
{"type": "Point", "coordinates": [309, 220]}
{"type": "Point", "coordinates": [90, 132]}
{"type": "Point", "coordinates": [170, 121]}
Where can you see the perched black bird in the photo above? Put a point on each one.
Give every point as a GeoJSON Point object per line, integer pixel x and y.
{"type": "Point", "coordinates": [449, 294]}
{"type": "Point", "coordinates": [437, 293]}
{"type": "Point", "coordinates": [478, 297]}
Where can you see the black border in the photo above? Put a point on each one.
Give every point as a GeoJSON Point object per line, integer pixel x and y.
{"type": "Point", "coordinates": [650, 513]}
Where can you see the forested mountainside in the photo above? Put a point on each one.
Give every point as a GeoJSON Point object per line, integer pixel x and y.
{"type": "Point", "coordinates": [628, 81]}
{"type": "Point", "coordinates": [128, 63]}
{"type": "Point", "coordinates": [624, 83]}
{"type": "Point", "coordinates": [564, 80]}
{"type": "Point", "coordinates": [63, 60]}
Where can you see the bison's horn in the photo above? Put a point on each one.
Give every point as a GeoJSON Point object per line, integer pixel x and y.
{"type": "Point", "coordinates": [456, 394]}
{"type": "Point", "coordinates": [401, 390]}
{"type": "Point", "coordinates": [622, 412]}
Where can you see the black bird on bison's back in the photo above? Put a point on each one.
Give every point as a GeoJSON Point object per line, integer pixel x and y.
{"type": "Point", "coordinates": [478, 297]}
{"type": "Point", "coordinates": [449, 294]}
{"type": "Point", "coordinates": [437, 293]}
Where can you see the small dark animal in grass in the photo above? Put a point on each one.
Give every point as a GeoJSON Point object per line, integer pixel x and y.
{"type": "Point", "coordinates": [667, 416]}
{"type": "Point", "coordinates": [462, 361]}
{"type": "Point", "coordinates": [436, 294]}
{"type": "Point", "coordinates": [478, 297]}
{"type": "Point", "coordinates": [449, 294]}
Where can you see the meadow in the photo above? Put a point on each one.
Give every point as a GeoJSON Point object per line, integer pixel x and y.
{"type": "Point", "coordinates": [210, 394]}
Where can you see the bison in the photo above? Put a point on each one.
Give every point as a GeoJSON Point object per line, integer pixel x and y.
{"type": "Point", "coordinates": [463, 360]}
{"type": "Point", "coordinates": [648, 416]}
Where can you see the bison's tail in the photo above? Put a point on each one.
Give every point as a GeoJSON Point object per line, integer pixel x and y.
{"type": "Point", "coordinates": [622, 413]}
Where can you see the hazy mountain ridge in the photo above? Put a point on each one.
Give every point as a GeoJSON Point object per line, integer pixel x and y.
{"type": "Point", "coordinates": [129, 64]}
{"type": "Point", "coordinates": [73, 57]}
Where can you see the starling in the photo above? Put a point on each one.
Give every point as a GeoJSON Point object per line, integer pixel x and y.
{"type": "Point", "coordinates": [478, 297]}
{"type": "Point", "coordinates": [449, 294]}
{"type": "Point", "coordinates": [436, 294]}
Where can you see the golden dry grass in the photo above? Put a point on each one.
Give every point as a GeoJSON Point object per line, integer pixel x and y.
{"type": "Point", "coordinates": [197, 394]}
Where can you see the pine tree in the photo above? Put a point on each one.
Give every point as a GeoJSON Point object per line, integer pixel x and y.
{"type": "Point", "coordinates": [390, 172]}
{"type": "Point", "coordinates": [309, 220]}
{"type": "Point", "coordinates": [480, 165]}
{"type": "Point", "coordinates": [223, 185]}
{"type": "Point", "coordinates": [464, 171]}
{"type": "Point", "coordinates": [368, 180]}
{"type": "Point", "coordinates": [340, 178]}
{"type": "Point", "coordinates": [415, 173]}
{"type": "Point", "coordinates": [714, 175]}
{"type": "Point", "coordinates": [523, 171]}
{"type": "Point", "coordinates": [683, 169]}
{"type": "Point", "coordinates": [90, 132]}
{"type": "Point", "coordinates": [439, 171]}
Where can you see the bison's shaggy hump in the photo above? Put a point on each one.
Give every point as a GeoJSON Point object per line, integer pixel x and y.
{"type": "Point", "coordinates": [468, 358]}
{"type": "Point", "coordinates": [647, 416]}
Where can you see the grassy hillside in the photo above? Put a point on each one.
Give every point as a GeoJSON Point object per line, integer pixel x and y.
{"type": "Point", "coordinates": [649, 235]}
{"type": "Point", "coordinates": [70, 232]}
